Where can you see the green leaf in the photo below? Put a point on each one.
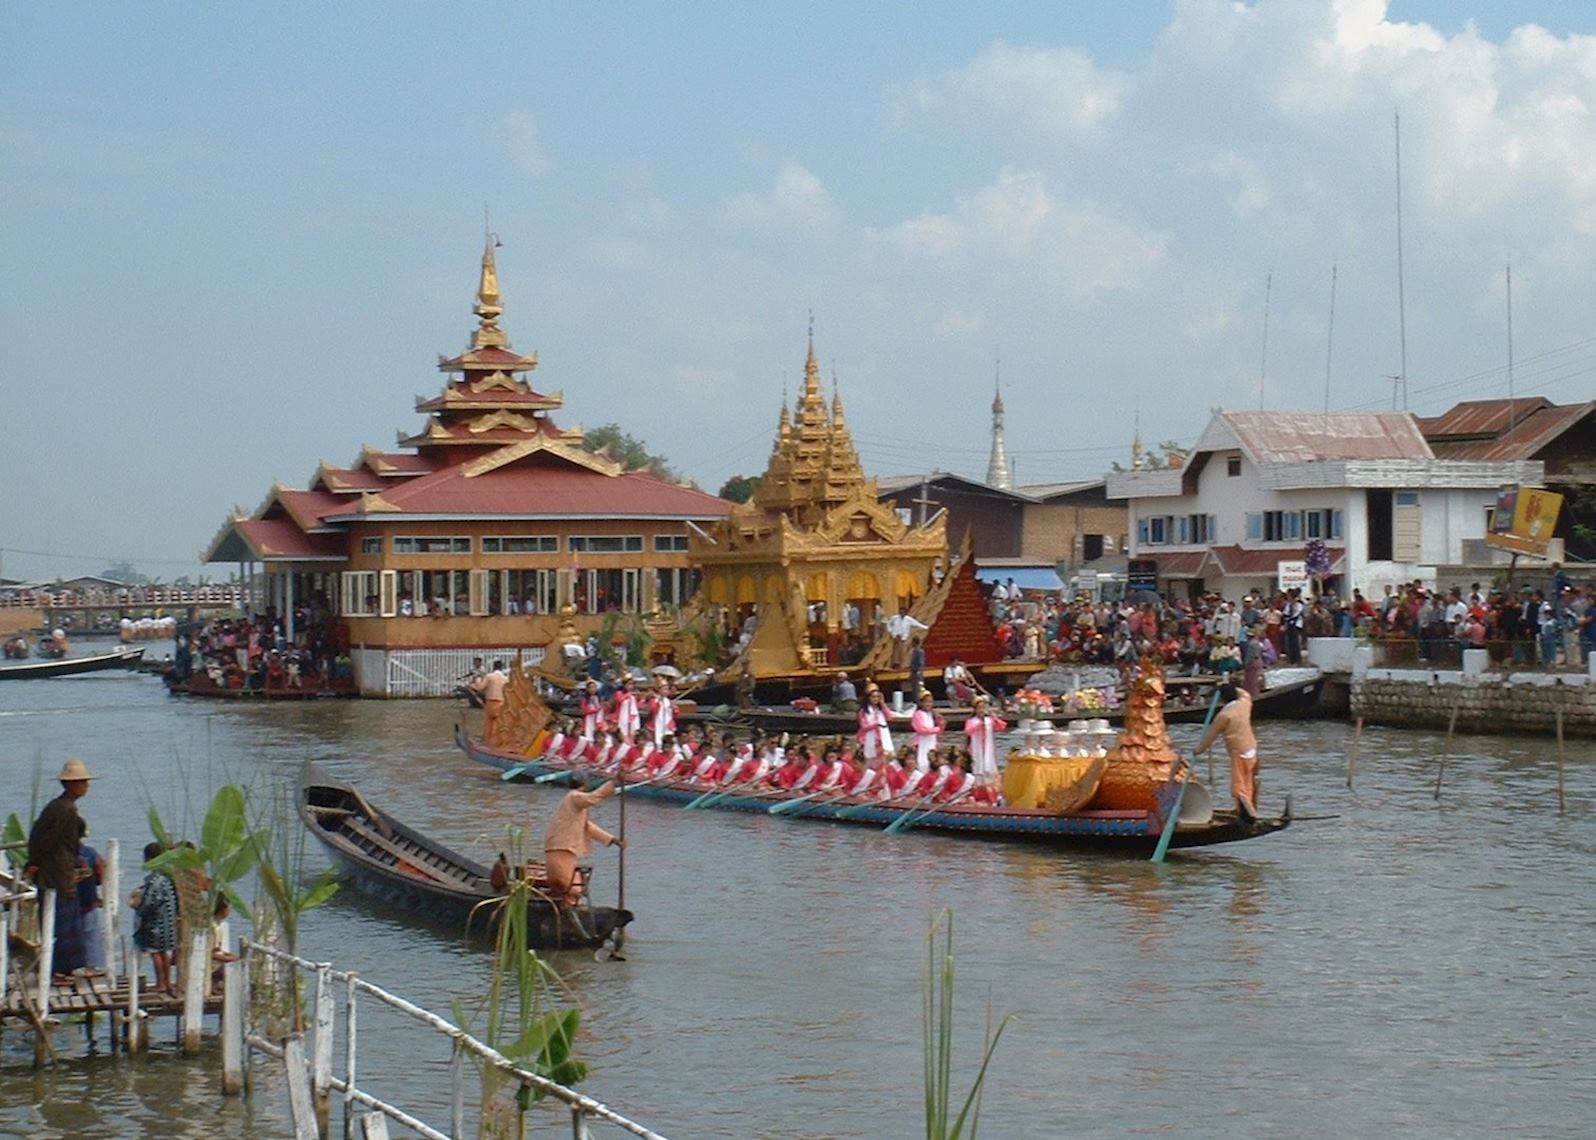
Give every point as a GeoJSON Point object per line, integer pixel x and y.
{"type": "Point", "coordinates": [158, 829]}
{"type": "Point", "coordinates": [233, 866]}
{"type": "Point", "coordinates": [224, 824]}
{"type": "Point", "coordinates": [237, 901]}
{"type": "Point", "coordinates": [177, 859]}
{"type": "Point", "coordinates": [552, 1029]}
{"type": "Point", "coordinates": [275, 888]}
{"type": "Point", "coordinates": [14, 833]}
{"type": "Point", "coordinates": [320, 893]}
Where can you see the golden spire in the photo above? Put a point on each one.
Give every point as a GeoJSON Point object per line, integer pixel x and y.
{"type": "Point", "coordinates": [837, 422]}
{"type": "Point", "coordinates": [811, 369]}
{"type": "Point", "coordinates": [489, 306]}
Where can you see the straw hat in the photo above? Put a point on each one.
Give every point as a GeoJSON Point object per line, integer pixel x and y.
{"type": "Point", "coordinates": [74, 769]}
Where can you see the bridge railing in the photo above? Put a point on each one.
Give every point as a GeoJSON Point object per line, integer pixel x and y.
{"type": "Point", "coordinates": [311, 1080]}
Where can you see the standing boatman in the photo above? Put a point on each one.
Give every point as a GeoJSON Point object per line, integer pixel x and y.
{"type": "Point", "coordinates": [1234, 723]}
{"type": "Point", "coordinates": [571, 834]}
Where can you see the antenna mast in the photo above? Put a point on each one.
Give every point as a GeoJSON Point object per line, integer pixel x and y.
{"type": "Point", "coordinates": [1511, 407]}
{"type": "Point", "coordinates": [1263, 362]}
{"type": "Point", "coordinates": [1402, 313]}
{"type": "Point", "coordinates": [1330, 343]}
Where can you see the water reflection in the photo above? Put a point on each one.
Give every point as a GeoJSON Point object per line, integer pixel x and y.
{"type": "Point", "coordinates": [772, 985]}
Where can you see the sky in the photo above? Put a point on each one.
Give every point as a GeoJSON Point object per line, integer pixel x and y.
{"type": "Point", "coordinates": [235, 239]}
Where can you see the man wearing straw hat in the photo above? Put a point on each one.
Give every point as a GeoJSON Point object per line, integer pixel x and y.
{"type": "Point", "coordinates": [53, 864]}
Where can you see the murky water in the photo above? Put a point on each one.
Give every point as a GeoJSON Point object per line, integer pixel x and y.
{"type": "Point", "coordinates": [1410, 968]}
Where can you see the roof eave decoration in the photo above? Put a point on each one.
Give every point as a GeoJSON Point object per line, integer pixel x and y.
{"type": "Point", "coordinates": [541, 443]}
{"type": "Point", "coordinates": [372, 502]}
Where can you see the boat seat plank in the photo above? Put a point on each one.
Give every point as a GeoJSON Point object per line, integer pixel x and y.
{"type": "Point", "coordinates": [358, 828]}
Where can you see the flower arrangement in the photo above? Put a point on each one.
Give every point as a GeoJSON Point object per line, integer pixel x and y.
{"type": "Point", "coordinates": [1033, 703]}
{"type": "Point", "coordinates": [1092, 700]}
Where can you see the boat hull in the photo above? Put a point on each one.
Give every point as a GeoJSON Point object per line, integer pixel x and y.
{"type": "Point", "coordinates": [410, 873]}
{"type": "Point", "coordinates": [1125, 832]}
{"type": "Point", "coordinates": [72, 666]}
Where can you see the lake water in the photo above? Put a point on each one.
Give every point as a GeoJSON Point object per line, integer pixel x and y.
{"type": "Point", "coordinates": [1410, 968]}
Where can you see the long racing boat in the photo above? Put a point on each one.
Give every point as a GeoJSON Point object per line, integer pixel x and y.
{"type": "Point", "coordinates": [1131, 832]}
{"type": "Point", "coordinates": [71, 666]}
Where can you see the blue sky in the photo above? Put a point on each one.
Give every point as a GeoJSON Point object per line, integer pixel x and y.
{"type": "Point", "coordinates": [235, 238]}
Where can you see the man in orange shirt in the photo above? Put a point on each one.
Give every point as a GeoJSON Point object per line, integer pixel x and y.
{"type": "Point", "coordinates": [570, 835]}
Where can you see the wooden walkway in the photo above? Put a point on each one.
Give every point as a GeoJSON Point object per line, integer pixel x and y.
{"type": "Point", "coordinates": [95, 995]}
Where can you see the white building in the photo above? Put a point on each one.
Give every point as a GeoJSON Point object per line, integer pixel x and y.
{"type": "Point", "coordinates": [1258, 486]}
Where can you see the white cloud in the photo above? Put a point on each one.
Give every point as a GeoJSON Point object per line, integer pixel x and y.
{"type": "Point", "coordinates": [518, 133]}
{"type": "Point", "coordinates": [797, 201]}
{"type": "Point", "coordinates": [1036, 89]}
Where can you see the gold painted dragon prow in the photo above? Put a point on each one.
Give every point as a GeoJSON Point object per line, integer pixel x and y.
{"type": "Point", "coordinates": [1143, 757]}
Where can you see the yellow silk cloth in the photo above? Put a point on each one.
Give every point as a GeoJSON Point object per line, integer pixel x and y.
{"type": "Point", "coordinates": [1026, 779]}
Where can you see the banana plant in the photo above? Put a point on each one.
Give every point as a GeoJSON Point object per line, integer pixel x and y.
{"type": "Point", "coordinates": [15, 833]}
{"type": "Point", "coordinates": [227, 851]}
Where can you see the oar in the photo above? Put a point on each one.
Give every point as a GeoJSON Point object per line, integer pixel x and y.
{"type": "Point", "coordinates": [515, 770]}
{"type": "Point", "coordinates": [1172, 819]}
{"type": "Point", "coordinates": [897, 825]}
{"type": "Point", "coordinates": [788, 805]}
{"type": "Point", "coordinates": [747, 789]}
{"type": "Point", "coordinates": [841, 794]}
{"type": "Point", "coordinates": [1180, 794]}
{"type": "Point", "coordinates": [1213, 705]}
{"type": "Point", "coordinates": [909, 819]}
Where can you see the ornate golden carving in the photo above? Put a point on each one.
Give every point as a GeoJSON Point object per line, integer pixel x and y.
{"type": "Point", "coordinates": [1143, 757]}
{"type": "Point", "coordinates": [526, 714]}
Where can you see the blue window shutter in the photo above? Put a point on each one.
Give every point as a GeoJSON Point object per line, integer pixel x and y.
{"type": "Point", "coordinates": [1255, 526]}
{"type": "Point", "coordinates": [1213, 528]}
{"type": "Point", "coordinates": [1335, 524]}
{"type": "Point", "coordinates": [1141, 531]}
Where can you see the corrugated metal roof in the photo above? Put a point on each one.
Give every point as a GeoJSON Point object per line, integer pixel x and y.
{"type": "Point", "coordinates": [1053, 490]}
{"type": "Point", "coordinates": [894, 484]}
{"type": "Point", "coordinates": [1300, 437]}
{"type": "Point", "coordinates": [1529, 435]}
{"type": "Point", "coordinates": [1480, 417]}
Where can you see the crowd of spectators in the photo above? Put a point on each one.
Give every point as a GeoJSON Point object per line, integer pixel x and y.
{"type": "Point", "coordinates": [256, 653]}
{"type": "Point", "coordinates": [1551, 624]}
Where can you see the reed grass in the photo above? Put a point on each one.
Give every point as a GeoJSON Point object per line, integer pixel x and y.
{"type": "Point", "coordinates": [937, 1028]}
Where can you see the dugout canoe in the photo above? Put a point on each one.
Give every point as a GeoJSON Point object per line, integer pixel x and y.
{"type": "Point", "coordinates": [1126, 832]}
{"type": "Point", "coordinates": [398, 866]}
{"type": "Point", "coordinates": [71, 666]}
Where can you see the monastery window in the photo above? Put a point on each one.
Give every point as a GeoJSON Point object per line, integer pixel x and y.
{"type": "Point", "coordinates": [1321, 524]}
{"type": "Point", "coordinates": [431, 544]}
{"type": "Point", "coordinates": [670, 543]}
{"type": "Point", "coordinates": [371, 545]}
{"type": "Point", "coordinates": [520, 544]}
{"type": "Point", "coordinates": [608, 591]}
{"type": "Point", "coordinates": [523, 592]}
{"type": "Point", "coordinates": [358, 593]}
{"type": "Point", "coordinates": [606, 543]}
{"type": "Point", "coordinates": [1233, 466]}
{"type": "Point", "coordinates": [674, 587]}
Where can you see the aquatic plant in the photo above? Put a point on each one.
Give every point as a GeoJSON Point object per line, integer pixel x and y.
{"type": "Point", "coordinates": [287, 897]}
{"type": "Point", "coordinates": [521, 1019]}
{"type": "Point", "coordinates": [938, 1034]}
{"type": "Point", "coordinates": [227, 852]}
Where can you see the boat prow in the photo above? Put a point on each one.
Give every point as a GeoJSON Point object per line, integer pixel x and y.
{"type": "Point", "coordinates": [386, 860]}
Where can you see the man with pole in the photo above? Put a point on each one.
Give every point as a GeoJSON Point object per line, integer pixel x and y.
{"type": "Point", "coordinates": [1234, 723]}
{"type": "Point", "coordinates": [570, 836]}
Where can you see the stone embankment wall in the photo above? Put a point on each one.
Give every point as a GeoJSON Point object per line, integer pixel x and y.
{"type": "Point", "coordinates": [1486, 701]}
{"type": "Point", "coordinates": [1496, 702]}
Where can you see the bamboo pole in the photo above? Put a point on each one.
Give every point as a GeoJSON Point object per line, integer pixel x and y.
{"type": "Point", "coordinates": [457, 1091]}
{"type": "Point", "coordinates": [1451, 728]}
{"type": "Point", "coordinates": [301, 1109]}
{"type": "Point", "coordinates": [133, 1040]}
{"type": "Point", "coordinates": [1560, 805]}
{"type": "Point", "coordinates": [1352, 758]}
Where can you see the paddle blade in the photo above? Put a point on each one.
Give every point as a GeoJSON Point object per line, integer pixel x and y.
{"type": "Point", "coordinates": [513, 771]}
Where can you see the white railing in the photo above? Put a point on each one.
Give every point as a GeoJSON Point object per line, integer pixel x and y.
{"type": "Point", "coordinates": [234, 595]}
{"type": "Point", "coordinates": [310, 1082]}
{"type": "Point", "coordinates": [438, 672]}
